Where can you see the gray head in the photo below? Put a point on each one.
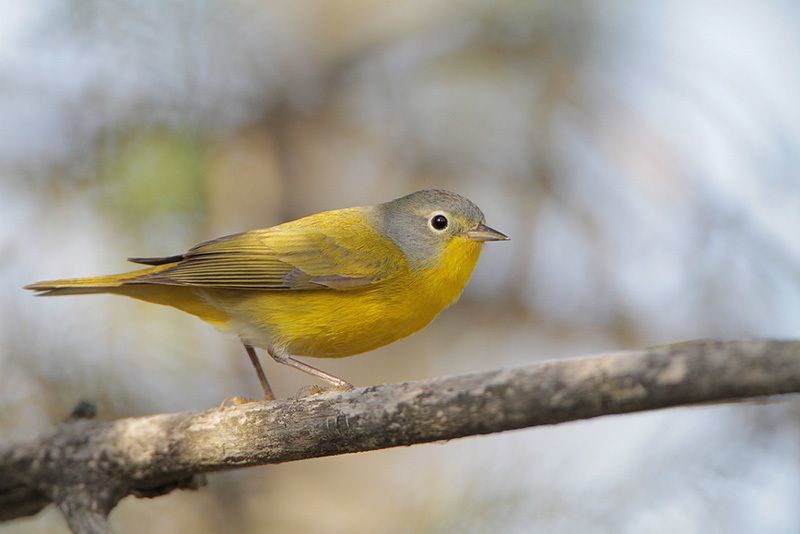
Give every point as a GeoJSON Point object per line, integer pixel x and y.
{"type": "Point", "coordinates": [423, 223]}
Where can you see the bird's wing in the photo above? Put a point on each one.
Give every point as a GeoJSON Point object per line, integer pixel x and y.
{"type": "Point", "coordinates": [340, 251]}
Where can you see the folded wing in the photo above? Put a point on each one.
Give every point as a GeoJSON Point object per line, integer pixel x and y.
{"type": "Point", "coordinates": [341, 253]}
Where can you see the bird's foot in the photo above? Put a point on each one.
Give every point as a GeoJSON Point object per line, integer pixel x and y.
{"type": "Point", "coordinates": [236, 400]}
{"type": "Point", "coordinates": [307, 391]}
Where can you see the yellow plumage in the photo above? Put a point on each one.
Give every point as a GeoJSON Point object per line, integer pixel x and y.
{"type": "Point", "coordinates": [332, 284]}
{"type": "Point", "coordinates": [343, 323]}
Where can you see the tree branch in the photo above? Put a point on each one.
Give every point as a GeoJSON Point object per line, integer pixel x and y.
{"type": "Point", "coordinates": [87, 466]}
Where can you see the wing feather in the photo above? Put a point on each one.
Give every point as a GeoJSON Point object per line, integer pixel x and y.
{"type": "Point", "coordinates": [334, 250]}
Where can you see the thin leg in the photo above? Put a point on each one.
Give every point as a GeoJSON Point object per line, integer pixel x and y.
{"type": "Point", "coordinates": [268, 395]}
{"type": "Point", "coordinates": [281, 357]}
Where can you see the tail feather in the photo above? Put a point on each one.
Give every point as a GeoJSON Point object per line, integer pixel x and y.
{"type": "Point", "coordinates": [183, 298]}
{"type": "Point", "coordinates": [157, 260]}
{"type": "Point", "coordinates": [94, 284]}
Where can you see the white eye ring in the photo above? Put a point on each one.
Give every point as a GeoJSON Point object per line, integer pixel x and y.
{"type": "Point", "coordinates": [438, 222]}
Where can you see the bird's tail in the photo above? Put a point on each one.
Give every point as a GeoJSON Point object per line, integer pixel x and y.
{"type": "Point", "coordinates": [184, 298]}
{"type": "Point", "coordinates": [94, 284]}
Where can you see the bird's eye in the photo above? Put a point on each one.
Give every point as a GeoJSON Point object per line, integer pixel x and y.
{"type": "Point", "coordinates": [439, 222]}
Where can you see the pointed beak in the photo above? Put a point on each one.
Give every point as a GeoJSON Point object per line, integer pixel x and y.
{"type": "Point", "coordinates": [484, 233]}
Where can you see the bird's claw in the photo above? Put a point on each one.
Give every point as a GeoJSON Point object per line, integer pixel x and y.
{"type": "Point", "coordinates": [307, 391]}
{"type": "Point", "coordinates": [236, 400]}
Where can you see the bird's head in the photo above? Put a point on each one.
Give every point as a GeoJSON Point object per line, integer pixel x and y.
{"type": "Point", "coordinates": [424, 223]}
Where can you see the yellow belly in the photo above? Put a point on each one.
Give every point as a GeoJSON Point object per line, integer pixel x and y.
{"type": "Point", "coordinates": [331, 324]}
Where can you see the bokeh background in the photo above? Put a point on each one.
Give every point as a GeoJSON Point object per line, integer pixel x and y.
{"type": "Point", "coordinates": [642, 155]}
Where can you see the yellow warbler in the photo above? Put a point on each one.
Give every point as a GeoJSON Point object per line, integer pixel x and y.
{"type": "Point", "coordinates": [332, 284]}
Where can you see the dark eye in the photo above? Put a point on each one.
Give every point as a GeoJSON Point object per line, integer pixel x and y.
{"type": "Point", "coordinates": [439, 222]}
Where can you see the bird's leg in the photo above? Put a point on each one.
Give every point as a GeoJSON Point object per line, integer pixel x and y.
{"type": "Point", "coordinates": [281, 356]}
{"type": "Point", "coordinates": [268, 395]}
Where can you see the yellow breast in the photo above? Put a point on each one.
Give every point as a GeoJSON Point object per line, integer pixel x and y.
{"type": "Point", "coordinates": [342, 323]}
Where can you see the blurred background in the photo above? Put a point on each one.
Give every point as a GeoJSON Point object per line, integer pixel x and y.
{"type": "Point", "coordinates": [643, 156]}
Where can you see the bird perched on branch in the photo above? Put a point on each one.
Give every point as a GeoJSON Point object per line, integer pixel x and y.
{"type": "Point", "coordinates": [328, 285]}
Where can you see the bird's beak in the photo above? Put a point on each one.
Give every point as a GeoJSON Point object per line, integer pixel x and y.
{"type": "Point", "coordinates": [484, 233]}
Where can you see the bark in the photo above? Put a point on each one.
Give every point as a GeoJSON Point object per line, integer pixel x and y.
{"type": "Point", "coordinates": [85, 466]}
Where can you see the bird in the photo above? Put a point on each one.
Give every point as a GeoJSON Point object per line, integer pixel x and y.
{"type": "Point", "coordinates": [328, 285]}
